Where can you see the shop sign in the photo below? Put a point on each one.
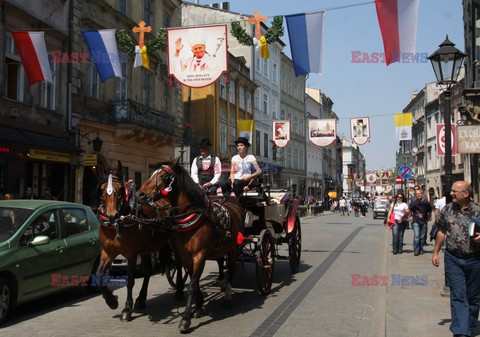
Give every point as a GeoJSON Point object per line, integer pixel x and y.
{"type": "Point", "coordinates": [49, 155]}
{"type": "Point", "coordinates": [89, 159]}
{"type": "Point", "coordinates": [332, 195]}
{"type": "Point", "coordinates": [468, 139]}
{"type": "Point", "coordinates": [5, 149]}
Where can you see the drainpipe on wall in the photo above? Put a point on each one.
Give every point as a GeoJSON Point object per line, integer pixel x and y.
{"type": "Point", "coordinates": [69, 66]}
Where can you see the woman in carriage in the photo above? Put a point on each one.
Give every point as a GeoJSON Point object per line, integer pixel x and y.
{"type": "Point", "coordinates": [243, 164]}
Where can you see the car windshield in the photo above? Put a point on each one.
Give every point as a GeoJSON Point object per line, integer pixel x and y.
{"type": "Point", "coordinates": [11, 219]}
{"type": "Point", "coordinates": [381, 203]}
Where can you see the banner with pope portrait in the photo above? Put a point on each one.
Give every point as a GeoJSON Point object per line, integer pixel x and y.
{"type": "Point", "coordinates": [197, 56]}
{"type": "Point", "coordinates": [281, 133]}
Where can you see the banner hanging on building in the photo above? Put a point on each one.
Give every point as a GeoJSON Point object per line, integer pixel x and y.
{"type": "Point", "coordinates": [468, 139]}
{"type": "Point", "coordinates": [281, 133]}
{"type": "Point", "coordinates": [403, 126]}
{"type": "Point", "coordinates": [245, 129]}
{"type": "Point", "coordinates": [360, 130]}
{"type": "Point", "coordinates": [322, 132]}
{"type": "Point", "coordinates": [441, 140]}
{"type": "Point", "coordinates": [197, 56]}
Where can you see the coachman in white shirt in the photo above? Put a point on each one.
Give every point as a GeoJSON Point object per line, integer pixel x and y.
{"type": "Point", "coordinates": [206, 168]}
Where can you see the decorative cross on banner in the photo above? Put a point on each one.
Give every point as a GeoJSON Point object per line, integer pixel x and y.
{"type": "Point", "coordinates": [256, 20]}
{"type": "Point", "coordinates": [141, 30]}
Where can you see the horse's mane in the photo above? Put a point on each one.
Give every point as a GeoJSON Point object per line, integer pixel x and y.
{"type": "Point", "coordinates": [186, 184]}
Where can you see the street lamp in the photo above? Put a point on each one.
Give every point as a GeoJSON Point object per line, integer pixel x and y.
{"type": "Point", "coordinates": [446, 63]}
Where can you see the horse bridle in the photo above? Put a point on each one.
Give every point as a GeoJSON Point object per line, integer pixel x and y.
{"type": "Point", "coordinates": [124, 195]}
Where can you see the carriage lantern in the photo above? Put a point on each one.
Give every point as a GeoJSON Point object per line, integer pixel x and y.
{"type": "Point", "coordinates": [97, 144]}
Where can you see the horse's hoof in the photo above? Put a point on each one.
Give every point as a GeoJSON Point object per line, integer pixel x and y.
{"type": "Point", "coordinates": [126, 316]}
{"type": "Point", "coordinates": [198, 313]}
{"type": "Point", "coordinates": [227, 303]}
{"type": "Point", "coordinates": [139, 304]}
{"type": "Point", "coordinates": [184, 325]}
{"type": "Point", "coordinates": [112, 302]}
{"type": "Point", "coordinates": [179, 295]}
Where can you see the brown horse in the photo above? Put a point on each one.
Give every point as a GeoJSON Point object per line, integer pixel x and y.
{"type": "Point", "coordinates": [202, 229]}
{"type": "Point", "coordinates": [129, 239]}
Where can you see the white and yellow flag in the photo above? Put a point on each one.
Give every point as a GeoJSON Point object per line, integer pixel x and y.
{"type": "Point", "coordinates": [245, 129]}
{"type": "Point", "coordinates": [403, 126]}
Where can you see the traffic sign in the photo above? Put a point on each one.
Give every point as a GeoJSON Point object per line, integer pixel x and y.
{"type": "Point", "coordinates": [398, 180]}
{"type": "Point", "coordinates": [405, 172]}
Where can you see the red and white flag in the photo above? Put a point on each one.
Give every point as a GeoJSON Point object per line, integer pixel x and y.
{"type": "Point", "coordinates": [33, 53]}
{"type": "Point", "coordinates": [398, 21]}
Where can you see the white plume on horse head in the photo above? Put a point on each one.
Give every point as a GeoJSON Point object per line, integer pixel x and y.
{"type": "Point", "coordinates": [110, 184]}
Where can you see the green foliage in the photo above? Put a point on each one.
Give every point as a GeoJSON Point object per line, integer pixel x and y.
{"type": "Point", "coordinates": [272, 35]}
{"type": "Point", "coordinates": [240, 34]}
{"type": "Point", "coordinates": [126, 42]}
{"type": "Point", "coordinates": [276, 30]}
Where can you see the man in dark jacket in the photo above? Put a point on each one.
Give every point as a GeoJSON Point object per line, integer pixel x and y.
{"type": "Point", "coordinates": [421, 211]}
{"type": "Point", "coordinates": [206, 168]}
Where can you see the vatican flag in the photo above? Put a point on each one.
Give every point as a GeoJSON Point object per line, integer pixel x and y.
{"type": "Point", "coordinates": [403, 126]}
{"type": "Point", "coordinates": [245, 129]}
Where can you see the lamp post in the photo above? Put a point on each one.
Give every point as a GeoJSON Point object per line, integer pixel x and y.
{"type": "Point", "coordinates": [446, 63]}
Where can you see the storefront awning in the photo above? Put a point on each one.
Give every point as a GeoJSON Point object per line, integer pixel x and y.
{"type": "Point", "coordinates": [38, 140]}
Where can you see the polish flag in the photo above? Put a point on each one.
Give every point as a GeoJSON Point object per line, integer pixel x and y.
{"type": "Point", "coordinates": [398, 21]}
{"type": "Point", "coordinates": [33, 53]}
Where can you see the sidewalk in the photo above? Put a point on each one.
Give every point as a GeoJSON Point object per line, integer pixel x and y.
{"type": "Point", "coordinates": [416, 310]}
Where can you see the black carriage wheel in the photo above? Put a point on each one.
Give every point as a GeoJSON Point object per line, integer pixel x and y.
{"type": "Point", "coordinates": [6, 295]}
{"type": "Point", "coordinates": [171, 272]}
{"type": "Point", "coordinates": [265, 265]}
{"type": "Point", "coordinates": [295, 246]}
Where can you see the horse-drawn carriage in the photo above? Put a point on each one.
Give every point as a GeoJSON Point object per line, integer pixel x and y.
{"type": "Point", "coordinates": [172, 208]}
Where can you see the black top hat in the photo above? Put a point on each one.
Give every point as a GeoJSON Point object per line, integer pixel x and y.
{"type": "Point", "coordinates": [242, 140]}
{"type": "Point", "coordinates": [204, 143]}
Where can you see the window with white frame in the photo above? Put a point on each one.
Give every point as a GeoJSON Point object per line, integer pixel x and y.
{"type": "Point", "coordinates": [122, 6]}
{"type": "Point", "coordinates": [283, 83]}
{"type": "Point", "coordinates": [122, 83]}
{"type": "Point", "coordinates": [274, 107]}
{"type": "Point", "coordinates": [256, 102]}
{"type": "Point", "coordinates": [289, 116]}
{"type": "Point", "coordinates": [249, 102]}
{"type": "Point", "coordinates": [302, 161]}
{"type": "Point", "coordinates": [257, 64]}
{"type": "Point", "coordinates": [265, 68]}
{"type": "Point", "coordinates": [223, 88]}
{"type": "Point", "coordinates": [165, 97]}
{"type": "Point", "coordinates": [295, 124]}
{"type": "Point", "coordinates": [295, 158]}
{"type": "Point", "coordinates": [265, 144]}
{"type": "Point", "coordinates": [241, 97]}
{"type": "Point", "coordinates": [223, 137]}
{"type": "Point", "coordinates": [93, 81]}
{"type": "Point", "coordinates": [257, 142]}
{"type": "Point", "coordinates": [231, 89]}
{"type": "Point", "coordinates": [274, 73]}
{"type": "Point", "coordinates": [48, 90]}
{"type": "Point", "coordinates": [289, 157]}
{"type": "Point", "coordinates": [147, 12]}
{"type": "Point", "coordinates": [15, 81]}
{"type": "Point", "coordinates": [295, 90]}
{"type": "Point", "coordinates": [301, 129]}
{"type": "Point", "coordinates": [265, 104]}
{"type": "Point", "coordinates": [289, 87]}
{"type": "Point", "coordinates": [147, 89]}
{"type": "Point", "coordinates": [282, 114]}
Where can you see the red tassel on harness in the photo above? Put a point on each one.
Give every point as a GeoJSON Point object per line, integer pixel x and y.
{"type": "Point", "coordinates": [165, 192]}
{"type": "Point", "coordinates": [240, 238]}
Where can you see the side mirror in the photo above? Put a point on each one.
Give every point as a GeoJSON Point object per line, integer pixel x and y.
{"type": "Point", "coordinates": [39, 240]}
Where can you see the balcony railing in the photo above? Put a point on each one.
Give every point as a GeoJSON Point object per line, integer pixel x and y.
{"type": "Point", "coordinates": [128, 111]}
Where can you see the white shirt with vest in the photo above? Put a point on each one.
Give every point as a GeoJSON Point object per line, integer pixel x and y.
{"type": "Point", "coordinates": [217, 169]}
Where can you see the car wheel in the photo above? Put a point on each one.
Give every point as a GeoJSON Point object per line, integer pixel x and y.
{"type": "Point", "coordinates": [6, 293]}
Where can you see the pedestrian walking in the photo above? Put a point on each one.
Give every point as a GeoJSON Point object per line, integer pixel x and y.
{"type": "Point", "coordinates": [421, 213]}
{"type": "Point", "coordinates": [400, 209]}
{"type": "Point", "coordinates": [462, 258]}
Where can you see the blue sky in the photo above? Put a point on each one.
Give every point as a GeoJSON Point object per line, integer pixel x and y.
{"type": "Point", "coordinates": [362, 89]}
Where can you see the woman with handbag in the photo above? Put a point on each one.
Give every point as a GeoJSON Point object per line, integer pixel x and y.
{"type": "Point", "coordinates": [400, 212]}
